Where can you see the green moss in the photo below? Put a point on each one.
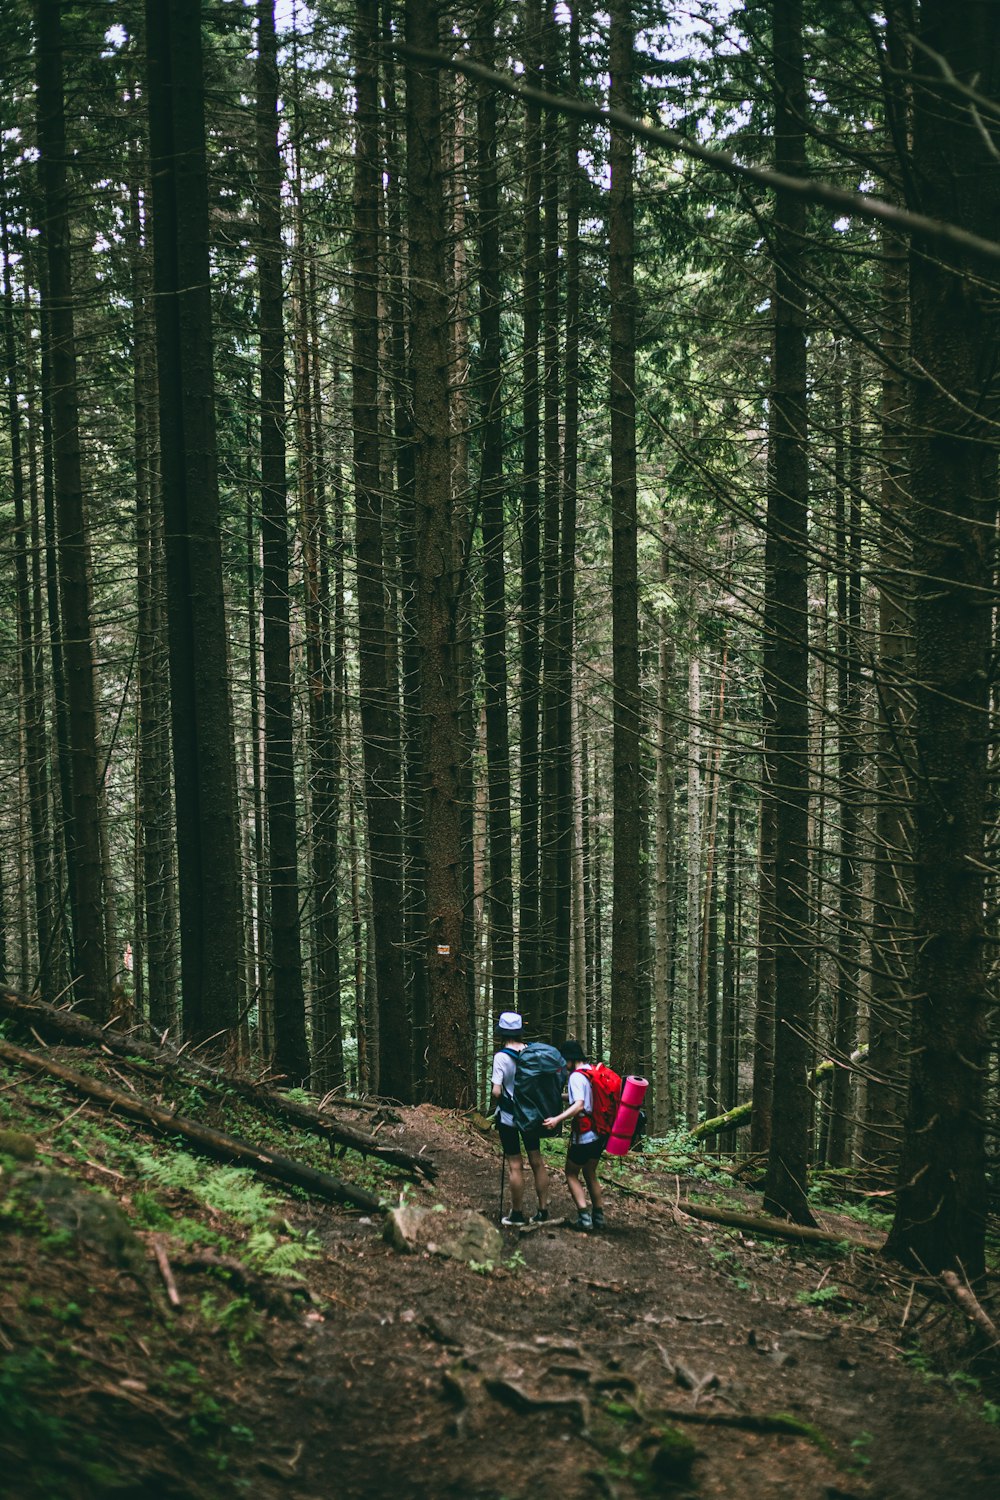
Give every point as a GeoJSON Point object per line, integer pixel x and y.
{"type": "Point", "coordinates": [17, 1146]}
{"type": "Point", "coordinates": [672, 1455]}
{"type": "Point", "coordinates": [782, 1421]}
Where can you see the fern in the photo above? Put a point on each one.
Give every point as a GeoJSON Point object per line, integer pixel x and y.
{"type": "Point", "coordinates": [233, 1191]}
{"type": "Point", "coordinates": [228, 1190]}
{"type": "Point", "coordinates": [280, 1259]}
{"type": "Point", "coordinates": [176, 1170]}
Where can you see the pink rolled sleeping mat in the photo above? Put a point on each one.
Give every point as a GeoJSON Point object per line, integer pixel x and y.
{"type": "Point", "coordinates": [633, 1093]}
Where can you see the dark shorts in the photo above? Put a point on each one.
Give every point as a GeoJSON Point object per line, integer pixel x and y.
{"type": "Point", "coordinates": [511, 1138]}
{"type": "Point", "coordinates": [579, 1154]}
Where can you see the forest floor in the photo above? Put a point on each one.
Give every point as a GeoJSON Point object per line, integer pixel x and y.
{"type": "Point", "coordinates": [306, 1358]}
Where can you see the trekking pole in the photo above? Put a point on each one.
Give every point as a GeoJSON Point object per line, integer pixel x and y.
{"type": "Point", "coordinates": [503, 1168]}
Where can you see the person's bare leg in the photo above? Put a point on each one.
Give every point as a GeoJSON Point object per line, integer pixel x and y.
{"type": "Point", "coordinates": [540, 1172]}
{"type": "Point", "coordinates": [576, 1189]}
{"type": "Point", "coordinates": [515, 1174]}
{"type": "Point", "coordinates": [593, 1186]}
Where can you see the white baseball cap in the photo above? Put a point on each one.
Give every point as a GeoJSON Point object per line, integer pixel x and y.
{"type": "Point", "coordinates": [510, 1020]}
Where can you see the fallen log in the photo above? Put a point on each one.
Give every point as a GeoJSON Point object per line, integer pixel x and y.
{"type": "Point", "coordinates": [777, 1228]}
{"type": "Point", "coordinates": [780, 1423]}
{"type": "Point", "coordinates": [971, 1306]}
{"type": "Point", "coordinates": [204, 1140]}
{"type": "Point", "coordinates": [740, 1115]}
{"type": "Point", "coordinates": [50, 1021]}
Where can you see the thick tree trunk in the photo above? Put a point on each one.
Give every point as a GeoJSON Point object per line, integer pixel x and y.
{"type": "Point", "coordinates": [554, 821]}
{"type": "Point", "coordinates": [378, 687]}
{"type": "Point", "coordinates": [450, 1051]}
{"type": "Point", "coordinates": [84, 842]}
{"type": "Point", "coordinates": [786, 653]}
{"type": "Point", "coordinates": [203, 744]}
{"type": "Point", "coordinates": [414, 899]}
{"type": "Point", "coordinates": [155, 902]}
{"type": "Point", "coordinates": [529, 916]}
{"type": "Point", "coordinates": [29, 653]}
{"type": "Point", "coordinates": [941, 1208]}
{"type": "Point", "coordinates": [889, 1018]}
{"type": "Point", "coordinates": [501, 888]}
{"type": "Point", "coordinates": [568, 789]}
{"type": "Point", "coordinates": [291, 1052]}
{"type": "Point", "coordinates": [627, 913]}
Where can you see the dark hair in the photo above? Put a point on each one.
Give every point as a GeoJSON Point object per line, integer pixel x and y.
{"type": "Point", "coordinates": [509, 1036]}
{"type": "Point", "coordinates": [572, 1050]}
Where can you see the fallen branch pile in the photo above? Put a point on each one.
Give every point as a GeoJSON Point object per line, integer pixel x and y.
{"type": "Point", "coordinates": [202, 1138]}
{"type": "Point", "coordinates": [54, 1023]}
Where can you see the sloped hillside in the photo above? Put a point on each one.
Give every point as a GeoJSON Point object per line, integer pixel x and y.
{"type": "Point", "coordinates": [174, 1324]}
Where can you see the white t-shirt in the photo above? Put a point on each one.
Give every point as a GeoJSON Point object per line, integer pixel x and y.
{"type": "Point", "coordinates": [579, 1087]}
{"type": "Point", "coordinates": [504, 1068]}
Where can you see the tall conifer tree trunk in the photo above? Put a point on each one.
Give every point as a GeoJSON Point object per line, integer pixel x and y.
{"type": "Point", "coordinates": [291, 1052]}
{"type": "Point", "coordinates": [529, 915]}
{"type": "Point", "coordinates": [29, 654]}
{"type": "Point", "coordinates": [941, 1210]}
{"type": "Point", "coordinates": [414, 901]}
{"type": "Point", "coordinates": [377, 682]}
{"type": "Point", "coordinates": [204, 758]}
{"type": "Point", "coordinates": [626, 1034]}
{"type": "Point", "coordinates": [554, 823]}
{"type": "Point", "coordinates": [84, 842]}
{"type": "Point", "coordinates": [567, 790]}
{"type": "Point", "coordinates": [451, 1076]}
{"type": "Point", "coordinates": [892, 901]}
{"type": "Point", "coordinates": [786, 651]}
{"type": "Point", "coordinates": [156, 901]}
{"type": "Point", "coordinates": [501, 889]}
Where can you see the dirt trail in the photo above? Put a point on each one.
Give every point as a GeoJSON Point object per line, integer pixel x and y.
{"type": "Point", "coordinates": [560, 1374]}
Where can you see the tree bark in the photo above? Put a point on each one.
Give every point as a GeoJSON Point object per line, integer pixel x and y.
{"type": "Point", "coordinates": [786, 651]}
{"type": "Point", "coordinates": [208, 862]}
{"type": "Point", "coordinates": [492, 488]}
{"type": "Point", "coordinates": [378, 687]}
{"type": "Point", "coordinates": [291, 1052]}
{"type": "Point", "coordinates": [529, 916]}
{"type": "Point", "coordinates": [29, 652]}
{"type": "Point", "coordinates": [941, 1206]}
{"type": "Point", "coordinates": [83, 849]}
{"type": "Point", "coordinates": [626, 1039]}
{"type": "Point", "coordinates": [451, 1078]}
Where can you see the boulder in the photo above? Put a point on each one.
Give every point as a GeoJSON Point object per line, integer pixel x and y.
{"type": "Point", "coordinates": [458, 1233]}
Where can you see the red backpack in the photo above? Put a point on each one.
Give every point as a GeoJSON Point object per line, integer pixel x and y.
{"type": "Point", "coordinates": [606, 1092]}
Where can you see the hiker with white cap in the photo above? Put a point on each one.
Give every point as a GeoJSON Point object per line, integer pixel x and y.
{"type": "Point", "coordinates": [510, 1035]}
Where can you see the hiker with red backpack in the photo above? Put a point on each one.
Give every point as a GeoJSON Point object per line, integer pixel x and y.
{"type": "Point", "coordinates": [518, 1116]}
{"type": "Point", "coordinates": [594, 1092]}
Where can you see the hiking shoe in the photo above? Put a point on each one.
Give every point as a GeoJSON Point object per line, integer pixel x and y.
{"type": "Point", "coordinates": [598, 1218]}
{"type": "Point", "coordinates": [540, 1217]}
{"type": "Point", "coordinates": [514, 1217]}
{"type": "Point", "coordinates": [584, 1222]}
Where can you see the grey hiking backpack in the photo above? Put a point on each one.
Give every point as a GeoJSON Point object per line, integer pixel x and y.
{"type": "Point", "coordinates": [538, 1084]}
